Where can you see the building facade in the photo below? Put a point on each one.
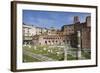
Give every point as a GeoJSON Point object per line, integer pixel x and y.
{"type": "Point", "coordinates": [67, 35]}
{"type": "Point", "coordinates": [29, 31]}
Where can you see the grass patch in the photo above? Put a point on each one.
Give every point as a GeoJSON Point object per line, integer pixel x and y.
{"type": "Point", "coordinates": [70, 57]}
{"type": "Point", "coordinates": [87, 55]}
{"type": "Point", "coordinates": [47, 52]}
{"type": "Point", "coordinates": [29, 59]}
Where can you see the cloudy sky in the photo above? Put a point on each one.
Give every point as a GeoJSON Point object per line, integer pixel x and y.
{"type": "Point", "coordinates": [50, 19]}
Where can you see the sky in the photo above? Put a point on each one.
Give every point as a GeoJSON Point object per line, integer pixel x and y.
{"type": "Point", "coordinates": [48, 19]}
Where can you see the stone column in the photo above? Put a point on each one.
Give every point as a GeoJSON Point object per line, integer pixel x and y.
{"type": "Point", "coordinates": [65, 52]}
{"type": "Point", "coordinates": [79, 45]}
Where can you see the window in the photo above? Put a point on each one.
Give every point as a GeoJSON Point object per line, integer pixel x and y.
{"type": "Point", "coordinates": [53, 41]}
{"type": "Point", "coordinates": [49, 41]}
{"type": "Point", "coordinates": [64, 41]}
{"type": "Point", "coordinates": [56, 41]}
{"type": "Point", "coordinates": [45, 42]}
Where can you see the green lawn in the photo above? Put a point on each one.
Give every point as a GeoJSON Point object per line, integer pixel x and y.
{"type": "Point", "coordinates": [29, 59]}
{"type": "Point", "coordinates": [87, 55]}
{"type": "Point", "coordinates": [70, 57]}
{"type": "Point", "coordinates": [46, 52]}
{"type": "Point", "coordinates": [51, 52]}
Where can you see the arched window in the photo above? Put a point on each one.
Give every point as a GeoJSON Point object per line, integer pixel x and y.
{"type": "Point", "coordinates": [64, 41]}
{"type": "Point", "coordinates": [49, 41]}
{"type": "Point", "coordinates": [56, 41]}
{"type": "Point", "coordinates": [45, 42]}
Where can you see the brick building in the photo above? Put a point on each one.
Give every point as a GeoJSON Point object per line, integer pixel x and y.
{"type": "Point", "coordinates": [85, 32]}
{"type": "Point", "coordinates": [67, 35]}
